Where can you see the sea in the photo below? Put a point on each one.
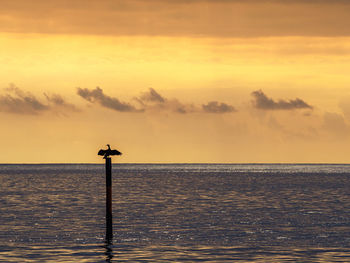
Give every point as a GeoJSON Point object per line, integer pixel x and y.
{"type": "Point", "coordinates": [175, 213]}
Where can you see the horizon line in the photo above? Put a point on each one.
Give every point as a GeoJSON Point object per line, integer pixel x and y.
{"type": "Point", "coordinates": [184, 163]}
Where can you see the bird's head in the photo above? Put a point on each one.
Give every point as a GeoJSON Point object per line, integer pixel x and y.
{"type": "Point", "coordinates": [108, 146]}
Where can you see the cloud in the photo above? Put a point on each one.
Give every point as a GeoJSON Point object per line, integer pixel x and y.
{"type": "Point", "coordinates": [261, 101]}
{"type": "Point", "coordinates": [217, 107]}
{"type": "Point", "coordinates": [17, 101]}
{"type": "Point", "coordinates": [58, 101]}
{"type": "Point", "coordinates": [97, 96]}
{"type": "Point", "coordinates": [151, 101]}
{"type": "Point", "coordinates": [208, 18]}
{"type": "Point", "coordinates": [20, 102]}
{"type": "Point", "coordinates": [179, 107]}
{"type": "Point", "coordinates": [152, 96]}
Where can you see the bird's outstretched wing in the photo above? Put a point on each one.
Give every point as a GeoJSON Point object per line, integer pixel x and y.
{"type": "Point", "coordinates": [101, 152]}
{"type": "Point", "coordinates": [116, 152]}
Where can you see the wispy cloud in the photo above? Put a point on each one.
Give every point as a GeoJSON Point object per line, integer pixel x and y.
{"type": "Point", "coordinates": [261, 101]}
{"type": "Point", "coordinates": [97, 96]}
{"type": "Point", "coordinates": [218, 107]}
{"type": "Point", "coordinates": [17, 101]}
{"type": "Point", "coordinates": [58, 101]}
{"type": "Point", "coordinates": [151, 101]}
{"type": "Point", "coordinates": [152, 96]}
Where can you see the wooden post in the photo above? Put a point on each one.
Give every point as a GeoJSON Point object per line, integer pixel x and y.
{"type": "Point", "coordinates": [109, 224]}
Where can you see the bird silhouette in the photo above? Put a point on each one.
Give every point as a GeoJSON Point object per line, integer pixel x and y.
{"type": "Point", "coordinates": [108, 152]}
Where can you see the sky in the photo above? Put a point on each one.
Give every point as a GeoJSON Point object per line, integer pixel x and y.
{"type": "Point", "coordinates": [178, 81]}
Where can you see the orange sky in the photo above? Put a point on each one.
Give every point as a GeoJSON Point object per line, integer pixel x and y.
{"type": "Point", "coordinates": [178, 81]}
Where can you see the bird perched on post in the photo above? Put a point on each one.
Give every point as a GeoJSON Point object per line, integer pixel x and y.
{"type": "Point", "coordinates": [108, 152]}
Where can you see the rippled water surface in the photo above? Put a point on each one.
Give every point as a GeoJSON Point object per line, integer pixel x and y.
{"type": "Point", "coordinates": [176, 212]}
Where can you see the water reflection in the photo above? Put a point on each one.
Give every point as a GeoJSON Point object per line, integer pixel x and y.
{"type": "Point", "coordinates": [109, 238]}
{"type": "Point", "coordinates": [176, 253]}
{"type": "Point", "coordinates": [109, 250]}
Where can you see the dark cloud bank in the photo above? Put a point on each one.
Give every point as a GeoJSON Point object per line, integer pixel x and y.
{"type": "Point", "coordinates": [198, 18]}
{"type": "Point", "coordinates": [261, 101]}
{"type": "Point", "coordinates": [18, 101]}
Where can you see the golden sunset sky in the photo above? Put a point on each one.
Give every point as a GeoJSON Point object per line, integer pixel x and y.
{"type": "Point", "coordinates": [233, 81]}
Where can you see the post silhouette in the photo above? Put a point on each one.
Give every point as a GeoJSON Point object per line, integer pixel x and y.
{"type": "Point", "coordinates": [109, 217]}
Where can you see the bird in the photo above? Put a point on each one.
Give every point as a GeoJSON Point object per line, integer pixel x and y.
{"type": "Point", "coordinates": [108, 152]}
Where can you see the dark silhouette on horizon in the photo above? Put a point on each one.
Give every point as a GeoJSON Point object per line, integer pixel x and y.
{"type": "Point", "coordinates": [108, 152]}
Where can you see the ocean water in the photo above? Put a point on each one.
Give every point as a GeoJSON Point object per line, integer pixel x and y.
{"type": "Point", "coordinates": [176, 213]}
